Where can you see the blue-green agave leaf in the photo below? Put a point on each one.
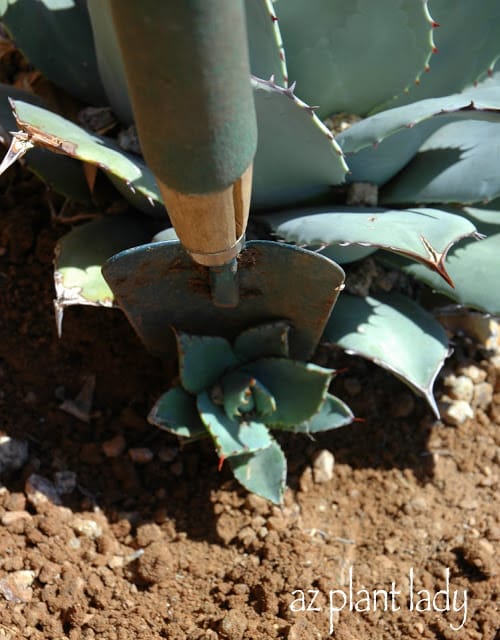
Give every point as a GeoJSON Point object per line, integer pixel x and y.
{"type": "Point", "coordinates": [332, 414]}
{"type": "Point", "coordinates": [56, 37]}
{"type": "Point", "coordinates": [176, 412]}
{"type": "Point", "coordinates": [485, 218]}
{"type": "Point", "coordinates": [458, 163]}
{"type": "Point", "coordinates": [298, 388]}
{"type": "Point", "coordinates": [51, 131]}
{"type": "Point", "coordinates": [237, 393]}
{"type": "Point", "coordinates": [456, 66]}
{"type": "Point", "coordinates": [231, 437]}
{"type": "Point", "coordinates": [323, 40]}
{"type": "Point", "coordinates": [378, 147]}
{"type": "Point", "coordinates": [424, 235]}
{"type": "Point", "coordinates": [395, 333]}
{"type": "Point", "coordinates": [168, 234]}
{"type": "Point", "coordinates": [138, 200]}
{"type": "Point", "coordinates": [482, 103]}
{"type": "Point", "coordinates": [81, 253]}
{"type": "Point", "coordinates": [263, 340]}
{"type": "Point", "coordinates": [202, 360]}
{"type": "Point", "coordinates": [470, 264]}
{"type": "Point", "coordinates": [263, 473]}
{"type": "Point", "coordinates": [297, 157]}
{"type": "Point", "coordinates": [109, 59]}
{"type": "Point", "coordinates": [242, 393]}
{"type": "Point", "coordinates": [348, 253]}
{"type": "Point", "coordinates": [265, 403]}
{"type": "Point", "coordinates": [267, 57]}
{"type": "Point", "coordinates": [491, 80]}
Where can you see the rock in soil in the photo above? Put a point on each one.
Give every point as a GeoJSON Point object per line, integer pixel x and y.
{"type": "Point", "coordinates": [13, 453]}
{"type": "Point", "coordinates": [40, 490]}
{"type": "Point", "coordinates": [323, 465]}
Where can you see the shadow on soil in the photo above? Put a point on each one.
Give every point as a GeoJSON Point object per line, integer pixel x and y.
{"type": "Point", "coordinates": [38, 371]}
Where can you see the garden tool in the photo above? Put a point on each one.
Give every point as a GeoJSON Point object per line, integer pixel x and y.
{"type": "Point", "coordinates": [188, 74]}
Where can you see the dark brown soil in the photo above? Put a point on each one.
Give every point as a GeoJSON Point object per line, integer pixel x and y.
{"type": "Point", "coordinates": [153, 542]}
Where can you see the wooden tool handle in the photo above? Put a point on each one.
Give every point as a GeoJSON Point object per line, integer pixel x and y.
{"type": "Point", "coordinates": [188, 74]}
{"type": "Point", "coordinates": [211, 226]}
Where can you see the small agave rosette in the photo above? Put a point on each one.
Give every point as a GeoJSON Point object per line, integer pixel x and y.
{"type": "Point", "coordinates": [237, 393]}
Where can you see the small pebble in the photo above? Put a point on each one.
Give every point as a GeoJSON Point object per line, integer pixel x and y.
{"type": "Point", "coordinates": [487, 546]}
{"type": "Point", "coordinates": [391, 545]}
{"type": "Point", "coordinates": [13, 453]}
{"type": "Point", "coordinates": [495, 363]}
{"type": "Point", "coordinates": [456, 412]}
{"type": "Point", "coordinates": [483, 395]}
{"type": "Point", "coordinates": [306, 480]}
{"type": "Point", "coordinates": [241, 588]}
{"type": "Point", "coordinates": [469, 504]}
{"type": "Point", "coordinates": [15, 502]}
{"type": "Point", "coordinates": [417, 504]}
{"type": "Point", "coordinates": [14, 516]}
{"type": "Point", "coordinates": [233, 625]}
{"type": "Point", "coordinates": [257, 523]}
{"type": "Point", "coordinates": [129, 140]}
{"type": "Point", "coordinates": [16, 586]}
{"type": "Point", "coordinates": [256, 503]}
{"type": "Point", "coordinates": [88, 528]}
{"type": "Point", "coordinates": [362, 194]}
{"type": "Point", "coordinates": [168, 454]}
{"type": "Point", "coordinates": [460, 387]}
{"type": "Point", "coordinates": [481, 555]}
{"type": "Point", "coordinates": [116, 562]}
{"type": "Point", "coordinates": [485, 330]}
{"type": "Point", "coordinates": [323, 465]}
{"type": "Point", "coordinates": [302, 629]}
{"type": "Point", "coordinates": [476, 374]}
{"type": "Point", "coordinates": [81, 406]}
{"type": "Point", "coordinates": [494, 533]}
{"type": "Point", "coordinates": [277, 523]}
{"type": "Point", "coordinates": [148, 533]}
{"type": "Point", "coordinates": [65, 481]}
{"type": "Point", "coordinates": [40, 490]}
{"type": "Point", "coordinates": [114, 447]}
{"type": "Point", "coordinates": [140, 455]}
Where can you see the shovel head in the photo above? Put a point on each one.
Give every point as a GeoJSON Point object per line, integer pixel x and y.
{"type": "Point", "coordinates": [158, 286]}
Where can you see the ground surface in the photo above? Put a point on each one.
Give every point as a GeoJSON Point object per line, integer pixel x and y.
{"type": "Point", "coordinates": [151, 542]}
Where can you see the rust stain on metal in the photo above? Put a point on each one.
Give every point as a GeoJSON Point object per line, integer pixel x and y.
{"type": "Point", "coordinates": [178, 265]}
{"type": "Point", "coordinates": [248, 258]}
{"type": "Point", "coordinates": [200, 286]}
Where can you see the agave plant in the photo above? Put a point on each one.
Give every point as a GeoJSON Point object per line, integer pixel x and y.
{"type": "Point", "coordinates": [236, 393]}
{"type": "Point", "coordinates": [392, 154]}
